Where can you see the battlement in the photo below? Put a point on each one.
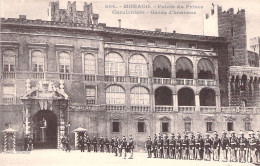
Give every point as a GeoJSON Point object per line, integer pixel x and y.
{"type": "Point", "coordinates": [217, 10]}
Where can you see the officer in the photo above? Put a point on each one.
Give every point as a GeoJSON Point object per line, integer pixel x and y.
{"type": "Point", "coordinates": [124, 147]}
{"type": "Point", "coordinates": [94, 144]}
{"type": "Point", "coordinates": [101, 144]}
{"type": "Point", "coordinates": [119, 148]}
{"type": "Point", "coordinates": [178, 146]}
{"type": "Point", "coordinates": [185, 146]}
{"type": "Point", "coordinates": [172, 144]}
{"type": "Point", "coordinates": [155, 148]}
{"type": "Point", "coordinates": [207, 147]}
{"type": "Point", "coordinates": [216, 146]}
{"type": "Point", "coordinates": [112, 144]}
{"type": "Point", "coordinates": [88, 142]}
{"type": "Point", "coordinates": [107, 144]}
{"type": "Point", "coordinates": [160, 146]}
{"type": "Point", "coordinates": [131, 147]}
{"type": "Point", "coordinates": [224, 146]}
{"type": "Point", "coordinates": [82, 144]}
{"type": "Point", "coordinates": [233, 147]}
{"type": "Point", "coordinates": [148, 146]}
{"type": "Point", "coordinates": [242, 145]}
{"type": "Point", "coordinates": [166, 147]}
{"type": "Point", "coordinates": [198, 146]}
{"type": "Point", "coordinates": [252, 148]}
{"type": "Point", "coordinates": [116, 146]}
{"type": "Point", "coordinates": [192, 147]}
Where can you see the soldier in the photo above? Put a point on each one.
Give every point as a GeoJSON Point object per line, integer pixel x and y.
{"type": "Point", "coordinates": [165, 147]}
{"type": "Point", "coordinates": [198, 146]}
{"type": "Point", "coordinates": [107, 143]}
{"type": "Point", "coordinates": [185, 146]}
{"type": "Point", "coordinates": [112, 144]}
{"type": "Point", "coordinates": [116, 146]}
{"type": "Point", "coordinates": [82, 144]}
{"type": "Point", "coordinates": [26, 143]}
{"type": "Point", "coordinates": [224, 146]}
{"type": "Point", "coordinates": [63, 143]}
{"type": "Point", "coordinates": [242, 145]}
{"type": "Point", "coordinates": [207, 147]}
{"type": "Point", "coordinates": [124, 147]}
{"type": "Point", "coordinates": [67, 144]}
{"type": "Point", "coordinates": [216, 146]}
{"type": "Point", "coordinates": [119, 147]}
{"type": "Point", "coordinates": [148, 146]}
{"type": "Point", "coordinates": [101, 144]}
{"type": "Point", "coordinates": [233, 147]}
{"type": "Point", "coordinates": [94, 144]}
{"type": "Point", "coordinates": [172, 144]}
{"type": "Point", "coordinates": [155, 148]}
{"type": "Point", "coordinates": [88, 141]}
{"type": "Point", "coordinates": [160, 146]}
{"type": "Point", "coordinates": [131, 147]}
{"type": "Point", "coordinates": [192, 147]}
{"type": "Point", "coordinates": [178, 146]}
{"type": "Point", "coordinates": [252, 147]}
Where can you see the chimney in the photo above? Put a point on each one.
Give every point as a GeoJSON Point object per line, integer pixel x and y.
{"type": "Point", "coordinates": [22, 17]}
{"type": "Point", "coordinates": [174, 31]}
{"type": "Point", "coordinates": [95, 19]}
{"type": "Point", "coordinates": [119, 21]}
{"type": "Point", "coordinates": [158, 30]}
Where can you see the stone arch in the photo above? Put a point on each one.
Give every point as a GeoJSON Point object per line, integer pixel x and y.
{"type": "Point", "coordinates": [163, 96]}
{"type": "Point", "coordinates": [207, 97]}
{"type": "Point", "coordinates": [162, 67]}
{"type": "Point", "coordinates": [205, 69]}
{"type": "Point", "coordinates": [186, 97]}
{"type": "Point", "coordinates": [184, 68]}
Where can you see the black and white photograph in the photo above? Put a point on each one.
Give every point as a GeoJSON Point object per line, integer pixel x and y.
{"type": "Point", "coordinates": [129, 82]}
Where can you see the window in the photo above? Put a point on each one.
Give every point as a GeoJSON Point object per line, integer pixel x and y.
{"type": "Point", "coordinates": [115, 95]}
{"type": "Point", "coordinates": [141, 127]}
{"type": "Point", "coordinates": [37, 61]}
{"type": "Point", "coordinates": [151, 42]}
{"type": "Point", "coordinates": [232, 31]}
{"type": "Point", "coordinates": [9, 61]}
{"type": "Point", "coordinates": [90, 95]}
{"type": "Point", "coordinates": [165, 127]}
{"type": "Point", "coordinates": [138, 66]}
{"type": "Point", "coordinates": [114, 65]}
{"type": "Point", "coordinates": [233, 51]}
{"type": "Point", "coordinates": [230, 126]}
{"type": "Point", "coordinates": [89, 64]}
{"type": "Point", "coordinates": [187, 126]}
{"type": "Point", "coordinates": [64, 60]}
{"type": "Point", "coordinates": [129, 41]}
{"type": "Point", "coordinates": [209, 126]}
{"type": "Point", "coordinates": [172, 44]}
{"type": "Point", "coordinates": [192, 45]}
{"type": "Point", "coordinates": [115, 127]}
{"type": "Point", "coordinates": [8, 95]}
{"type": "Point", "coordinates": [139, 96]}
{"type": "Point", "coordinates": [247, 126]}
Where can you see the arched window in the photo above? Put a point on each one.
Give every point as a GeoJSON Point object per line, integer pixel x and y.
{"type": "Point", "coordinates": [243, 82]}
{"type": "Point", "coordinates": [37, 61]}
{"type": "Point", "coordinates": [163, 96]}
{"type": "Point", "coordinates": [205, 69]}
{"type": "Point", "coordinates": [115, 95]}
{"type": "Point", "coordinates": [139, 96]}
{"type": "Point", "coordinates": [64, 60]}
{"type": "Point", "coordinates": [162, 67]}
{"type": "Point", "coordinates": [114, 65]}
{"type": "Point", "coordinates": [138, 66]}
{"type": "Point", "coordinates": [89, 64]}
{"type": "Point", "coordinates": [9, 60]}
{"type": "Point", "coordinates": [186, 97]}
{"type": "Point", "coordinates": [207, 97]}
{"type": "Point", "coordinates": [184, 68]}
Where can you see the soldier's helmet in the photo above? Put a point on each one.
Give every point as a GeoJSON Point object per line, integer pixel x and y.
{"type": "Point", "coordinates": [178, 135]}
{"type": "Point", "coordinates": [198, 134]}
{"type": "Point", "coordinates": [215, 133]}
{"type": "Point", "coordinates": [241, 132]}
{"type": "Point", "coordinates": [232, 132]}
{"type": "Point", "coordinates": [258, 132]}
{"type": "Point", "coordinates": [149, 137]}
{"type": "Point", "coordinates": [224, 132]}
{"type": "Point", "coordinates": [172, 135]}
{"type": "Point", "coordinates": [207, 134]}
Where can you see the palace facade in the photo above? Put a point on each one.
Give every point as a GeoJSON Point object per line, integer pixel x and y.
{"type": "Point", "coordinates": [73, 72]}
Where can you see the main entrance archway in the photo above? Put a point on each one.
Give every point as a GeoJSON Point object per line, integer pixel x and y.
{"type": "Point", "coordinates": [45, 129]}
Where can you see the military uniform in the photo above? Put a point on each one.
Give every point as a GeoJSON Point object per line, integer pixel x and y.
{"type": "Point", "coordinates": [184, 147]}
{"type": "Point", "coordinates": [155, 147]}
{"type": "Point", "coordinates": [172, 144]}
{"type": "Point", "coordinates": [107, 143]}
{"type": "Point", "coordinates": [116, 142]}
{"type": "Point", "coordinates": [216, 146]}
{"type": "Point", "coordinates": [224, 145]}
{"type": "Point", "coordinates": [131, 148]}
{"type": "Point", "coordinates": [88, 142]}
{"type": "Point", "coordinates": [112, 144]}
{"type": "Point", "coordinates": [119, 147]}
{"type": "Point", "coordinates": [101, 144]}
{"type": "Point", "coordinates": [148, 146]}
{"type": "Point", "coordinates": [233, 147]}
{"type": "Point", "coordinates": [192, 148]}
{"type": "Point", "coordinates": [124, 147]}
{"type": "Point", "coordinates": [166, 147]}
{"type": "Point", "coordinates": [82, 144]}
{"type": "Point", "coordinates": [178, 147]}
{"type": "Point", "coordinates": [94, 144]}
{"type": "Point", "coordinates": [252, 143]}
{"type": "Point", "coordinates": [207, 148]}
{"type": "Point", "coordinates": [198, 147]}
{"type": "Point", "coordinates": [242, 145]}
{"type": "Point", "coordinates": [160, 147]}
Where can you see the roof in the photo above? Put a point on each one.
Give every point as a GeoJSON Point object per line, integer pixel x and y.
{"type": "Point", "coordinates": [80, 129]}
{"type": "Point", "coordinates": [9, 130]}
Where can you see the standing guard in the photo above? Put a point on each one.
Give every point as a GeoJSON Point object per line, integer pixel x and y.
{"type": "Point", "coordinates": [207, 147]}
{"type": "Point", "coordinates": [101, 144]}
{"type": "Point", "coordinates": [224, 146]}
{"type": "Point", "coordinates": [120, 142]}
{"type": "Point", "coordinates": [192, 147]}
{"type": "Point", "coordinates": [124, 147]}
{"type": "Point", "coordinates": [155, 147]}
{"type": "Point", "coordinates": [216, 146]}
{"type": "Point", "coordinates": [94, 144]}
{"type": "Point", "coordinates": [233, 147]}
{"type": "Point", "coordinates": [160, 146]}
{"type": "Point", "coordinates": [107, 144]}
{"type": "Point", "coordinates": [116, 142]}
{"type": "Point", "coordinates": [131, 147]}
{"type": "Point", "coordinates": [82, 144]}
{"type": "Point", "coordinates": [184, 146]}
{"type": "Point", "coordinates": [112, 144]}
{"type": "Point", "coordinates": [148, 146]}
{"type": "Point", "coordinates": [252, 148]}
{"type": "Point", "coordinates": [178, 146]}
{"type": "Point", "coordinates": [166, 147]}
{"type": "Point", "coordinates": [172, 144]}
{"type": "Point", "coordinates": [242, 145]}
{"type": "Point", "coordinates": [198, 147]}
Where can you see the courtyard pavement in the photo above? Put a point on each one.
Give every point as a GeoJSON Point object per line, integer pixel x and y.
{"type": "Point", "coordinates": [54, 157]}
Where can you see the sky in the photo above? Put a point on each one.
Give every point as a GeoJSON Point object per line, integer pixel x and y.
{"type": "Point", "coordinates": [181, 23]}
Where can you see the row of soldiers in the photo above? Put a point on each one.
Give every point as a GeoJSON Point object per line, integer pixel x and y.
{"type": "Point", "coordinates": [233, 148]}
{"type": "Point", "coordinates": [116, 145]}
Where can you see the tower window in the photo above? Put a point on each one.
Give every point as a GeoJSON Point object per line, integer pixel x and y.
{"type": "Point", "coordinates": [233, 51]}
{"type": "Point", "coordinates": [232, 31]}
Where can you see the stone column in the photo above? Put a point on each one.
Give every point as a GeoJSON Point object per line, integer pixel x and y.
{"type": "Point", "coordinates": [218, 105]}
{"type": "Point", "coordinates": [197, 102]}
{"type": "Point", "coordinates": [175, 102]}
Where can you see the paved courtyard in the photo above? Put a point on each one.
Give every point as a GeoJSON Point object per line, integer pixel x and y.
{"type": "Point", "coordinates": [55, 157]}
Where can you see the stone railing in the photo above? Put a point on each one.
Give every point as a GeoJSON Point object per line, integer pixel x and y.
{"type": "Point", "coordinates": [206, 82]}
{"type": "Point", "coordinates": [186, 108]}
{"type": "Point", "coordinates": [114, 78]}
{"type": "Point", "coordinates": [9, 99]}
{"type": "Point", "coordinates": [38, 75]}
{"type": "Point", "coordinates": [139, 79]}
{"type": "Point", "coordinates": [115, 107]}
{"type": "Point", "coordinates": [8, 75]}
{"type": "Point", "coordinates": [181, 81]}
{"type": "Point", "coordinates": [240, 109]}
{"type": "Point", "coordinates": [162, 80]}
{"type": "Point", "coordinates": [138, 108]}
{"type": "Point", "coordinates": [208, 109]}
{"type": "Point", "coordinates": [90, 77]}
{"type": "Point", "coordinates": [65, 76]}
{"type": "Point", "coordinates": [163, 108]}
